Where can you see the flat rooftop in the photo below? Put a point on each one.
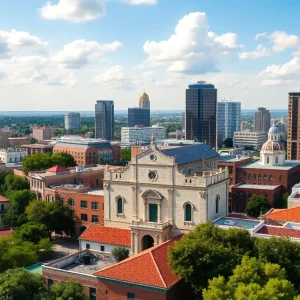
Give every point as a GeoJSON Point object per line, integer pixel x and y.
{"type": "Point", "coordinates": [235, 159]}
{"type": "Point", "coordinates": [76, 263]}
{"type": "Point", "coordinates": [256, 186]}
{"type": "Point", "coordinates": [95, 192]}
{"type": "Point", "coordinates": [237, 223]}
{"type": "Point", "coordinates": [289, 164]}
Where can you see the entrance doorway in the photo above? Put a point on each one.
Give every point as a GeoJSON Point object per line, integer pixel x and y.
{"type": "Point", "coordinates": [147, 242]}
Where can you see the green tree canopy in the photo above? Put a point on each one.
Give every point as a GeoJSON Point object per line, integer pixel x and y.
{"type": "Point", "coordinates": [208, 251]}
{"type": "Point", "coordinates": [69, 290]}
{"type": "Point", "coordinates": [257, 205]}
{"type": "Point", "coordinates": [21, 284]}
{"type": "Point", "coordinates": [15, 183]}
{"type": "Point", "coordinates": [54, 215]}
{"type": "Point", "coordinates": [252, 279]}
{"type": "Point", "coordinates": [228, 143]}
{"type": "Point", "coordinates": [120, 253]}
{"type": "Point", "coordinates": [125, 155]}
{"type": "Point", "coordinates": [32, 140]}
{"type": "Point", "coordinates": [30, 232]}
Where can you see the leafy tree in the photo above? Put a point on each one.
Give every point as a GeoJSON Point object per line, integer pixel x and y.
{"type": "Point", "coordinates": [251, 148]}
{"type": "Point", "coordinates": [30, 232]}
{"type": "Point", "coordinates": [54, 215]}
{"type": "Point", "coordinates": [15, 215]}
{"type": "Point", "coordinates": [257, 205]}
{"type": "Point", "coordinates": [125, 155]}
{"type": "Point", "coordinates": [67, 290]}
{"type": "Point", "coordinates": [208, 251]}
{"type": "Point", "coordinates": [63, 159]}
{"type": "Point", "coordinates": [120, 253]}
{"type": "Point", "coordinates": [282, 202]}
{"type": "Point", "coordinates": [21, 284]}
{"type": "Point", "coordinates": [228, 143]}
{"type": "Point", "coordinates": [15, 183]}
{"type": "Point", "coordinates": [32, 140]}
{"type": "Point", "coordinates": [283, 252]}
{"type": "Point", "coordinates": [252, 279]}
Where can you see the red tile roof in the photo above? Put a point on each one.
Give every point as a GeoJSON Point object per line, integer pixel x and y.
{"type": "Point", "coordinates": [290, 214]}
{"type": "Point", "coordinates": [5, 232]}
{"type": "Point", "coordinates": [57, 169]}
{"type": "Point", "coordinates": [279, 231]}
{"type": "Point", "coordinates": [3, 199]}
{"type": "Point", "coordinates": [107, 235]}
{"type": "Point", "coordinates": [149, 267]}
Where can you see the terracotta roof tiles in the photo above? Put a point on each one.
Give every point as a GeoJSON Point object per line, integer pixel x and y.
{"type": "Point", "coordinates": [57, 169]}
{"type": "Point", "coordinates": [3, 199]}
{"type": "Point", "coordinates": [279, 231]}
{"type": "Point", "coordinates": [290, 214]}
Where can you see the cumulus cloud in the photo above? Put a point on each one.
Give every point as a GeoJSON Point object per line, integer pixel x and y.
{"type": "Point", "coordinates": [80, 52]}
{"type": "Point", "coordinates": [140, 2]}
{"type": "Point", "coordinates": [192, 48]}
{"type": "Point", "coordinates": [20, 42]}
{"type": "Point", "coordinates": [282, 41]}
{"type": "Point", "coordinates": [260, 35]}
{"type": "Point", "coordinates": [73, 10]}
{"type": "Point", "coordinates": [260, 51]}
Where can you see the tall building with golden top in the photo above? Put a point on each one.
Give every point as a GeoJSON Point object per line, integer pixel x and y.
{"type": "Point", "coordinates": [144, 101]}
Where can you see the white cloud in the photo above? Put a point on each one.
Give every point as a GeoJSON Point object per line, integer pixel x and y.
{"type": "Point", "coordinates": [282, 41]}
{"type": "Point", "coordinates": [73, 10]}
{"type": "Point", "coordinates": [260, 35]}
{"type": "Point", "coordinates": [192, 48]}
{"type": "Point", "coordinates": [20, 42]}
{"type": "Point", "coordinates": [260, 51]}
{"type": "Point", "coordinates": [80, 52]}
{"type": "Point", "coordinates": [140, 2]}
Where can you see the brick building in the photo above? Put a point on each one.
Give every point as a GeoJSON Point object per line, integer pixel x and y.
{"type": "Point", "coordinates": [17, 141]}
{"type": "Point", "coordinates": [38, 148]}
{"type": "Point", "coordinates": [88, 151]}
{"type": "Point", "coordinates": [42, 133]}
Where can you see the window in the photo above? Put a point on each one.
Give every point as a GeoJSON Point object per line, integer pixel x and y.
{"type": "Point", "coordinates": [268, 159]}
{"type": "Point", "coordinates": [265, 177]}
{"type": "Point", "coordinates": [153, 212]}
{"type": "Point", "coordinates": [84, 217]}
{"type": "Point", "coordinates": [270, 177]}
{"type": "Point", "coordinates": [259, 176]}
{"type": "Point", "coordinates": [50, 283]}
{"type": "Point", "coordinates": [93, 293]}
{"type": "Point", "coordinates": [249, 176]}
{"type": "Point", "coordinates": [188, 212]}
{"type": "Point", "coordinates": [276, 160]}
{"type": "Point", "coordinates": [120, 205]}
{"type": "Point", "coordinates": [2, 207]}
{"type": "Point", "coordinates": [254, 176]}
{"type": "Point", "coordinates": [217, 204]}
{"type": "Point", "coordinates": [280, 178]}
{"type": "Point", "coordinates": [87, 246]}
{"type": "Point", "coordinates": [71, 202]}
{"type": "Point", "coordinates": [102, 248]}
{"type": "Point", "coordinates": [130, 296]}
{"type": "Point", "coordinates": [95, 219]}
{"type": "Point", "coordinates": [95, 205]}
{"type": "Point", "coordinates": [83, 204]}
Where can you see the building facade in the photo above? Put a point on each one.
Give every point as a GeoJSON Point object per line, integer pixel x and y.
{"type": "Point", "coordinates": [4, 203]}
{"type": "Point", "coordinates": [256, 139]}
{"type": "Point", "coordinates": [262, 119]}
{"type": "Point", "coordinates": [229, 118]}
{"type": "Point", "coordinates": [144, 101]}
{"type": "Point", "coordinates": [138, 117]}
{"type": "Point", "coordinates": [134, 135]}
{"type": "Point", "coordinates": [244, 126]}
{"type": "Point", "coordinates": [42, 133]}
{"type": "Point", "coordinates": [38, 148]}
{"type": "Point", "coordinates": [17, 141]}
{"type": "Point", "coordinates": [72, 121]}
{"type": "Point", "coordinates": [104, 120]}
{"type": "Point", "coordinates": [12, 155]}
{"type": "Point", "coordinates": [201, 113]}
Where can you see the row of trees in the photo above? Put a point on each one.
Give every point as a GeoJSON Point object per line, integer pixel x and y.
{"type": "Point", "coordinates": [230, 264]}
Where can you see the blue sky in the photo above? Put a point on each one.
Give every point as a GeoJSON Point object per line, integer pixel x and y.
{"type": "Point", "coordinates": [65, 54]}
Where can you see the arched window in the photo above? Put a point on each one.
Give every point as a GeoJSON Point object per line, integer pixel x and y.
{"type": "Point", "coordinates": [249, 176]}
{"type": "Point", "coordinates": [120, 205]}
{"type": "Point", "coordinates": [276, 160]}
{"type": "Point", "coordinates": [217, 204]}
{"type": "Point", "coordinates": [254, 176]}
{"type": "Point", "coordinates": [188, 212]}
{"type": "Point", "coordinates": [268, 159]}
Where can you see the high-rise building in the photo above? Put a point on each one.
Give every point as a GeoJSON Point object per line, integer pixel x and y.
{"type": "Point", "coordinates": [293, 147]}
{"type": "Point", "coordinates": [104, 120]}
{"type": "Point", "coordinates": [144, 101]}
{"type": "Point", "coordinates": [262, 120]}
{"type": "Point", "coordinates": [201, 113]}
{"type": "Point", "coordinates": [244, 125]}
{"type": "Point", "coordinates": [42, 133]}
{"type": "Point", "coordinates": [229, 118]}
{"type": "Point", "coordinates": [138, 117]}
{"type": "Point", "coordinates": [72, 121]}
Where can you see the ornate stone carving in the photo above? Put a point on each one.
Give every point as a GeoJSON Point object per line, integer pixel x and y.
{"type": "Point", "coordinates": [133, 188]}
{"type": "Point", "coordinates": [202, 194]}
{"type": "Point", "coordinates": [106, 186]}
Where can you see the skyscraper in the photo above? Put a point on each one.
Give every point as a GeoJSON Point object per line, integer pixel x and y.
{"type": "Point", "coordinates": [293, 147]}
{"type": "Point", "coordinates": [104, 120]}
{"type": "Point", "coordinates": [201, 113]}
{"type": "Point", "coordinates": [72, 121]}
{"type": "Point", "coordinates": [138, 117]}
{"type": "Point", "coordinates": [229, 118]}
{"type": "Point", "coordinates": [144, 101]}
{"type": "Point", "coordinates": [262, 120]}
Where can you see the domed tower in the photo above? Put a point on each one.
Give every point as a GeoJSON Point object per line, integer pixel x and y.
{"type": "Point", "coordinates": [272, 152]}
{"type": "Point", "coordinates": [144, 101]}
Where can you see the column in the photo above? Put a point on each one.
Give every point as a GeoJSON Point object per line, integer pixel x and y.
{"type": "Point", "coordinates": [134, 203]}
{"type": "Point", "coordinates": [170, 205]}
{"type": "Point", "coordinates": [132, 242]}
{"type": "Point", "coordinates": [159, 213]}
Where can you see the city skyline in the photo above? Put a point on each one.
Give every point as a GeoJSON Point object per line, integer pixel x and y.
{"type": "Point", "coordinates": [56, 58]}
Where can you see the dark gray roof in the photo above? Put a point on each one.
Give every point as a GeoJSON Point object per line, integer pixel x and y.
{"type": "Point", "coordinates": [188, 154]}
{"type": "Point", "coordinates": [105, 145]}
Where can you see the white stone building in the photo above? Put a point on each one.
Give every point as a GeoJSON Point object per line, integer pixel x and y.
{"type": "Point", "coordinates": [12, 155]}
{"type": "Point", "coordinates": [163, 193]}
{"type": "Point", "coordinates": [245, 138]}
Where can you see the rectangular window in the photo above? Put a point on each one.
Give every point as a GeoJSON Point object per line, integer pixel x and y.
{"type": "Point", "coordinates": [93, 293]}
{"type": "Point", "coordinates": [84, 217]}
{"type": "Point", "coordinates": [2, 207]}
{"type": "Point", "coordinates": [83, 204]}
{"type": "Point", "coordinates": [95, 219]}
{"type": "Point", "coordinates": [102, 248]}
{"type": "Point", "coordinates": [95, 205]}
{"type": "Point", "coordinates": [71, 202]}
{"type": "Point", "coordinates": [130, 296]}
{"type": "Point", "coordinates": [87, 246]}
{"type": "Point", "coordinates": [50, 283]}
{"type": "Point", "coordinates": [153, 212]}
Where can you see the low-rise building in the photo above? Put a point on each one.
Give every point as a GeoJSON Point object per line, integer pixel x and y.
{"type": "Point", "coordinates": [248, 138]}
{"type": "Point", "coordinates": [38, 148]}
{"type": "Point", "coordinates": [4, 203]}
{"type": "Point", "coordinates": [42, 133]}
{"type": "Point", "coordinates": [12, 155]}
{"type": "Point", "coordinates": [17, 141]}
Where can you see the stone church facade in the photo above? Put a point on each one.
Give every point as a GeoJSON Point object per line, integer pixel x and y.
{"type": "Point", "coordinates": [161, 194]}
